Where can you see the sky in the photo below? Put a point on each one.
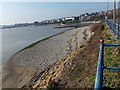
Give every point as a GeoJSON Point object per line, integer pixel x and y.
{"type": "Point", "coordinates": [26, 12]}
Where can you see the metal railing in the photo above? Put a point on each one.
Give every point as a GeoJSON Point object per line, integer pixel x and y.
{"type": "Point", "coordinates": [101, 67]}
{"type": "Point", "coordinates": [114, 27]}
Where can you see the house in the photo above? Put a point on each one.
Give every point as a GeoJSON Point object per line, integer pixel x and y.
{"type": "Point", "coordinates": [84, 18]}
{"type": "Point", "coordinates": [77, 18]}
{"type": "Point", "coordinates": [69, 18]}
{"type": "Point", "coordinates": [109, 12]}
{"type": "Point", "coordinates": [63, 19]}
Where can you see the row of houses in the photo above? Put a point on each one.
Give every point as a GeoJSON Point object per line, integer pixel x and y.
{"type": "Point", "coordinates": [66, 19]}
{"type": "Point", "coordinates": [73, 19]}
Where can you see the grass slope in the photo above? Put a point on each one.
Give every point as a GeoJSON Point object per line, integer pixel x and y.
{"type": "Point", "coordinates": [111, 59]}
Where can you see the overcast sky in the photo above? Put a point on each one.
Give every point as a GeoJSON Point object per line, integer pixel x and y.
{"type": "Point", "coordinates": [22, 12]}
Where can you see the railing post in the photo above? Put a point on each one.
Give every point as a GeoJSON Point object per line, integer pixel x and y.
{"type": "Point", "coordinates": [118, 36]}
{"type": "Point", "coordinates": [115, 32]}
{"type": "Point", "coordinates": [99, 74]}
{"type": "Point", "coordinates": [113, 26]}
{"type": "Point", "coordinates": [110, 27]}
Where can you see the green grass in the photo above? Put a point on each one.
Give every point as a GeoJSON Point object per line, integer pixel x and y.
{"type": "Point", "coordinates": [111, 77]}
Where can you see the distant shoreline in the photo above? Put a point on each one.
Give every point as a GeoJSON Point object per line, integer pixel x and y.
{"type": "Point", "coordinates": [12, 26]}
{"type": "Point", "coordinates": [76, 25]}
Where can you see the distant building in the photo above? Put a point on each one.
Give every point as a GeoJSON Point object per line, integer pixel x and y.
{"type": "Point", "coordinates": [63, 19]}
{"type": "Point", "coordinates": [36, 22]}
{"type": "Point", "coordinates": [77, 18]}
{"type": "Point", "coordinates": [119, 4]}
{"type": "Point", "coordinates": [69, 18]}
{"type": "Point", "coordinates": [109, 12]}
{"type": "Point", "coordinates": [84, 18]}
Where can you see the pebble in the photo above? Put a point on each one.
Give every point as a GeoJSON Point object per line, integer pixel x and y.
{"type": "Point", "coordinates": [51, 50]}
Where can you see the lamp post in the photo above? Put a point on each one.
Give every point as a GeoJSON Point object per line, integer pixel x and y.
{"type": "Point", "coordinates": [114, 11]}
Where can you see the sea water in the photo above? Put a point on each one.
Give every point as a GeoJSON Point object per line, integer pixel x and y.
{"type": "Point", "coordinates": [15, 39]}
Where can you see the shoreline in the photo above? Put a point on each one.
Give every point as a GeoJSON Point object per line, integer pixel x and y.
{"type": "Point", "coordinates": [32, 46]}
{"type": "Point", "coordinates": [35, 43]}
{"type": "Point", "coordinates": [8, 65]}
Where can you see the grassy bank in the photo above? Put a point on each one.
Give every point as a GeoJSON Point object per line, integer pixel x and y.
{"type": "Point", "coordinates": [111, 78]}
{"type": "Point", "coordinates": [112, 59]}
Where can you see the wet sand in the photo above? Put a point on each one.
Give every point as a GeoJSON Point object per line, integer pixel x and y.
{"type": "Point", "coordinates": [39, 56]}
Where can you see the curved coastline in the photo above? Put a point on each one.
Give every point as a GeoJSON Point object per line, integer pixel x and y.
{"type": "Point", "coordinates": [9, 65]}
{"type": "Point", "coordinates": [13, 66]}
{"type": "Point", "coordinates": [35, 43]}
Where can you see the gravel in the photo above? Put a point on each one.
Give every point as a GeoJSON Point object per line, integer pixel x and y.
{"type": "Point", "coordinates": [48, 51]}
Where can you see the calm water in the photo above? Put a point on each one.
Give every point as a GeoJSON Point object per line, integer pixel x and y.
{"type": "Point", "coordinates": [15, 39]}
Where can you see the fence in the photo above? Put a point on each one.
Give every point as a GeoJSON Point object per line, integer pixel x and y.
{"type": "Point", "coordinates": [115, 28]}
{"type": "Point", "coordinates": [101, 67]}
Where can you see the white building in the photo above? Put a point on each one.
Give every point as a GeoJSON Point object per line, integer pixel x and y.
{"type": "Point", "coordinates": [69, 18]}
{"type": "Point", "coordinates": [63, 19]}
